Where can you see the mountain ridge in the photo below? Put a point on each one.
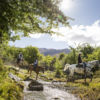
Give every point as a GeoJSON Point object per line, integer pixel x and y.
{"type": "Point", "coordinates": [52, 52]}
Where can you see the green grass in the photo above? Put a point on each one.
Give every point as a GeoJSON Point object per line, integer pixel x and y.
{"type": "Point", "coordinates": [9, 89]}
{"type": "Point", "coordinates": [89, 91]}
{"type": "Point", "coordinates": [50, 76]}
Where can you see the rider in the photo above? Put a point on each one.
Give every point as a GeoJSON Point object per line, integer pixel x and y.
{"type": "Point", "coordinates": [20, 57]}
{"type": "Point", "coordinates": [35, 64]}
{"type": "Point", "coordinates": [79, 58]}
{"type": "Point", "coordinates": [80, 62]}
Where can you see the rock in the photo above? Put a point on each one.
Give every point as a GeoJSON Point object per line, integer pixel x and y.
{"type": "Point", "coordinates": [14, 77]}
{"type": "Point", "coordinates": [56, 98]}
{"type": "Point", "coordinates": [35, 86]}
{"type": "Point", "coordinates": [50, 79]}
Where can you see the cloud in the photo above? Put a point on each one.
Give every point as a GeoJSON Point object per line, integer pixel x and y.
{"type": "Point", "coordinates": [78, 34]}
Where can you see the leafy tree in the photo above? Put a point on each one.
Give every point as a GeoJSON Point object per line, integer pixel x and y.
{"type": "Point", "coordinates": [30, 54]}
{"type": "Point", "coordinates": [95, 55]}
{"type": "Point", "coordinates": [71, 58]}
{"type": "Point", "coordinates": [29, 16]}
{"type": "Point", "coordinates": [61, 56]}
{"type": "Point", "coordinates": [86, 49]}
{"type": "Point", "coordinates": [52, 64]}
{"type": "Point", "coordinates": [47, 61]}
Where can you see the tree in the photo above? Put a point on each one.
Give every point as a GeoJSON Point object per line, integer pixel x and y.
{"type": "Point", "coordinates": [86, 49]}
{"type": "Point", "coordinates": [30, 54]}
{"type": "Point", "coordinates": [61, 56]}
{"type": "Point", "coordinates": [29, 16]}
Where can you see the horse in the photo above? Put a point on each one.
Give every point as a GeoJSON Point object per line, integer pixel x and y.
{"type": "Point", "coordinates": [19, 63]}
{"type": "Point", "coordinates": [36, 70]}
{"type": "Point", "coordinates": [86, 71]}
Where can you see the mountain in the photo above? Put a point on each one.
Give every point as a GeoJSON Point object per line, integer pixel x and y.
{"type": "Point", "coordinates": [53, 51]}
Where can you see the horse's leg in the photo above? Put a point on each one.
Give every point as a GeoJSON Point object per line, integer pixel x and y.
{"type": "Point", "coordinates": [37, 75]}
{"type": "Point", "coordinates": [85, 80]}
{"type": "Point", "coordinates": [91, 78]}
{"type": "Point", "coordinates": [30, 71]}
{"type": "Point", "coordinates": [85, 77]}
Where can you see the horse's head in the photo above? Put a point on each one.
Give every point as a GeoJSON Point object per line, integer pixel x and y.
{"type": "Point", "coordinates": [66, 67]}
{"type": "Point", "coordinates": [94, 63]}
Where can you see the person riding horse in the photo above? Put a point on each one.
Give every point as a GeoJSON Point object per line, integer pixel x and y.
{"type": "Point", "coordinates": [20, 58]}
{"type": "Point", "coordinates": [35, 64]}
{"type": "Point", "coordinates": [80, 62]}
{"type": "Point", "coordinates": [34, 67]}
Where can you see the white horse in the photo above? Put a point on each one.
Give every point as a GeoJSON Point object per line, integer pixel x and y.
{"type": "Point", "coordinates": [87, 71]}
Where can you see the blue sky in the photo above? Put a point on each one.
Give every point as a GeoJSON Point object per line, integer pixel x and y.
{"type": "Point", "coordinates": [85, 27]}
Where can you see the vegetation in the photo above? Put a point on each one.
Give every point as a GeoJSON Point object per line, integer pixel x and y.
{"type": "Point", "coordinates": [53, 70]}
{"type": "Point", "coordinates": [89, 91]}
{"type": "Point", "coordinates": [20, 18]}
{"type": "Point", "coordinates": [29, 16]}
{"type": "Point", "coordinates": [9, 90]}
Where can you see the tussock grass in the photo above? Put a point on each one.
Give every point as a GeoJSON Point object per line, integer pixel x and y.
{"type": "Point", "coordinates": [89, 91]}
{"type": "Point", "coordinates": [9, 89]}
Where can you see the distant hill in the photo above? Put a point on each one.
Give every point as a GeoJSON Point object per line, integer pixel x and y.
{"type": "Point", "coordinates": [53, 51]}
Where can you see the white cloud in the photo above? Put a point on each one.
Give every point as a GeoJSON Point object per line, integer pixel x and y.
{"type": "Point", "coordinates": [80, 34]}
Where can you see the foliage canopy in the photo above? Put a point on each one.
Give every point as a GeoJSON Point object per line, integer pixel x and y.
{"type": "Point", "coordinates": [29, 16]}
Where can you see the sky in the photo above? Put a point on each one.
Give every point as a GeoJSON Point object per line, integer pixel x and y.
{"type": "Point", "coordinates": [85, 27]}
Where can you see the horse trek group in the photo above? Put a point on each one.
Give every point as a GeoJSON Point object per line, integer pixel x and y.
{"type": "Point", "coordinates": [82, 68]}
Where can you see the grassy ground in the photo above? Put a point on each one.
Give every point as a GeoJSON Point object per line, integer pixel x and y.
{"type": "Point", "coordinates": [9, 89]}
{"type": "Point", "coordinates": [89, 91]}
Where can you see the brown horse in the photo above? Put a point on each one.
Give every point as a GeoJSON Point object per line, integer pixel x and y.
{"type": "Point", "coordinates": [36, 70]}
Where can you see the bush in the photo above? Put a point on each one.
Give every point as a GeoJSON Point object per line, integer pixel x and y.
{"type": "Point", "coordinates": [58, 73]}
{"type": "Point", "coordinates": [10, 91]}
{"type": "Point", "coordinates": [1, 65]}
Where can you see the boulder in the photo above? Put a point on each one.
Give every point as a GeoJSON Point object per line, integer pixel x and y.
{"type": "Point", "coordinates": [56, 98]}
{"type": "Point", "coordinates": [14, 77]}
{"type": "Point", "coordinates": [35, 86]}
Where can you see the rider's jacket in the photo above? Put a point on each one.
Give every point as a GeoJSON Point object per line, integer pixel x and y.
{"type": "Point", "coordinates": [20, 56]}
{"type": "Point", "coordinates": [36, 62]}
{"type": "Point", "coordinates": [79, 59]}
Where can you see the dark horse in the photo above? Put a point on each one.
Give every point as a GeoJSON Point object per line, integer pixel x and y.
{"type": "Point", "coordinates": [19, 63]}
{"type": "Point", "coordinates": [36, 70]}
